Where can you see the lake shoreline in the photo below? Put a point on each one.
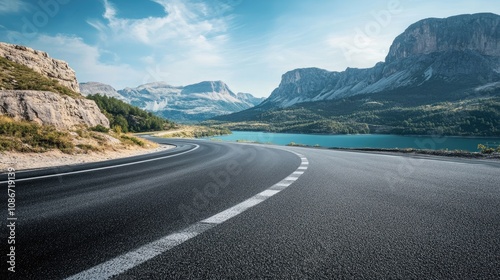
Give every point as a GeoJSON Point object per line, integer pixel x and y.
{"type": "Point", "coordinates": [441, 153]}
{"type": "Point", "coordinates": [367, 134]}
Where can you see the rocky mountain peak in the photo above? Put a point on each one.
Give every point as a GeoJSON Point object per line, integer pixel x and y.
{"type": "Point", "coordinates": [475, 32]}
{"type": "Point", "coordinates": [41, 63]}
{"type": "Point", "coordinates": [209, 86]}
{"type": "Point", "coordinates": [304, 74]}
{"type": "Point", "coordinates": [180, 103]}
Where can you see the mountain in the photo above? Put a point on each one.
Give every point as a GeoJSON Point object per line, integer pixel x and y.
{"type": "Point", "coordinates": [188, 103]}
{"type": "Point", "coordinates": [250, 99]}
{"type": "Point", "coordinates": [434, 60]}
{"type": "Point", "coordinates": [91, 88]}
{"type": "Point", "coordinates": [463, 51]}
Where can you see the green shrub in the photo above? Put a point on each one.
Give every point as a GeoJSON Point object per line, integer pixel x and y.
{"type": "Point", "coordinates": [100, 128]}
{"type": "Point", "coordinates": [486, 150]}
{"type": "Point", "coordinates": [26, 136]}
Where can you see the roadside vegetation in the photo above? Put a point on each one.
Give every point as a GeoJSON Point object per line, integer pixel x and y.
{"type": "Point", "coordinates": [485, 149]}
{"type": "Point", "coordinates": [25, 137]}
{"type": "Point", "coordinates": [14, 76]}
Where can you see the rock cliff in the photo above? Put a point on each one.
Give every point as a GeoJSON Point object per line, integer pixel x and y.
{"type": "Point", "coordinates": [50, 108]}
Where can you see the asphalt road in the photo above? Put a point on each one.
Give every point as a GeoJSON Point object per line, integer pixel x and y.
{"type": "Point", "coordinates": [348, 216]}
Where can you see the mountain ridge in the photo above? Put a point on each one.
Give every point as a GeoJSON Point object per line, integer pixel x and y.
{"type": "Point", "coordinates": [190, 103]}
{"type": "Point", "coordinates": [410, 62]}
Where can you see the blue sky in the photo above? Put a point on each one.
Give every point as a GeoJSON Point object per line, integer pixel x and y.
{"type": "Point", "coordinates": [248, 44]}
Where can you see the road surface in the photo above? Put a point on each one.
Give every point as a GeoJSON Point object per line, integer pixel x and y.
{"type": "Point", "coordinates": [300, 213]}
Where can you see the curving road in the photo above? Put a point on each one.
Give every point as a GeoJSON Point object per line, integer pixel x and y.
{"type": "Point", "coordinates": [339, 215]}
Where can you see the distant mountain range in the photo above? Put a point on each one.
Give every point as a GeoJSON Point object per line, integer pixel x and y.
{"type": "Point", "coordinates": [189, 103]}
{"type": "Point", "coordinates": [456, 59]}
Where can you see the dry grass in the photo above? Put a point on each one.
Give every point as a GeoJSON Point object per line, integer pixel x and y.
{"type": "Point", "coordinates": [30, 137]}
{"type": "Point", "coordinates": [14, 76]}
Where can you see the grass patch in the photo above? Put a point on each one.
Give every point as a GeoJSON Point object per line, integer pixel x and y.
{"type": "Point", "coordinates": [127, 139]}
{"type": "Point", "coordinates": [14, 76]}
{"type": "Point", "coordinates": [88, 148]}
{"type": "Point", "coordinates": [23, 136]}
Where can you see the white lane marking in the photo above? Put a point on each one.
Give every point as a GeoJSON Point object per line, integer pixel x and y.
{"type": "Point", "coordinates": [298, 173]}
{"type": "Point", "coordinates": [268, 193]}
{"type": "Point", "coordinates": [302, 168]}
{"type": "Point", "coordinates": [142, 254]}
{"type": "Point", "coordinates": [103, 168]}
{"type": "Point", "coordinates": [138, 256]}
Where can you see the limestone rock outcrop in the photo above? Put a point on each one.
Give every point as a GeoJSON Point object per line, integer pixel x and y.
{"type": "Point", "coordinates": [48, 108]}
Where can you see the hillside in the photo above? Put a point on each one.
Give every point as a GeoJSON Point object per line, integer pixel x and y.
{"type": "Point", "coordinates": [15, 76]}
{"type": "Point", "coordinates": [42, 111]}
{"type": "Point", "coordinates": [440, 76]}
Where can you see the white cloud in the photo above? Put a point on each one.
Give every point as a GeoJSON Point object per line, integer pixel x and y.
{"type": "Point", "coordinates": [84, 59]}
{"type": "Point", "coordinates": [9, 6]}
{"type": "Point", "coordinates": [187, 44]}
{"type": "Point", "coordinates": [184, 23]}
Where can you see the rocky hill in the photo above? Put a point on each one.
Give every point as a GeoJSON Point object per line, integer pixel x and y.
{"type": "Point", "coordinates": [40, 62]}
{"type": "Point", "coordinates": [189, 103]}
{"type": "Point", "coordinates": [462, 52]}
{"type": "Point", "coordinates": [35, 87]}
{"type": "Point", "coordinates": [440, 76]}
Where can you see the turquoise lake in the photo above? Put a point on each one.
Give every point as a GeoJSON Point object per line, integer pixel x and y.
{"type": "Point", "coordinates": [364, 140]}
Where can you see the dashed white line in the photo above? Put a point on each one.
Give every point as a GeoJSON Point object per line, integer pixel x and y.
{"type": "Point", "coordinates": [290, 178]}
{"type": "Point", "coordinates": [134, 258]}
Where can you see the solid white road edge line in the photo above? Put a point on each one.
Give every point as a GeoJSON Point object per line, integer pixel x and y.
{"type": "Point", "coordinates": [146, 252]}
{"type": "Point", "coordinates": [102, 168]}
